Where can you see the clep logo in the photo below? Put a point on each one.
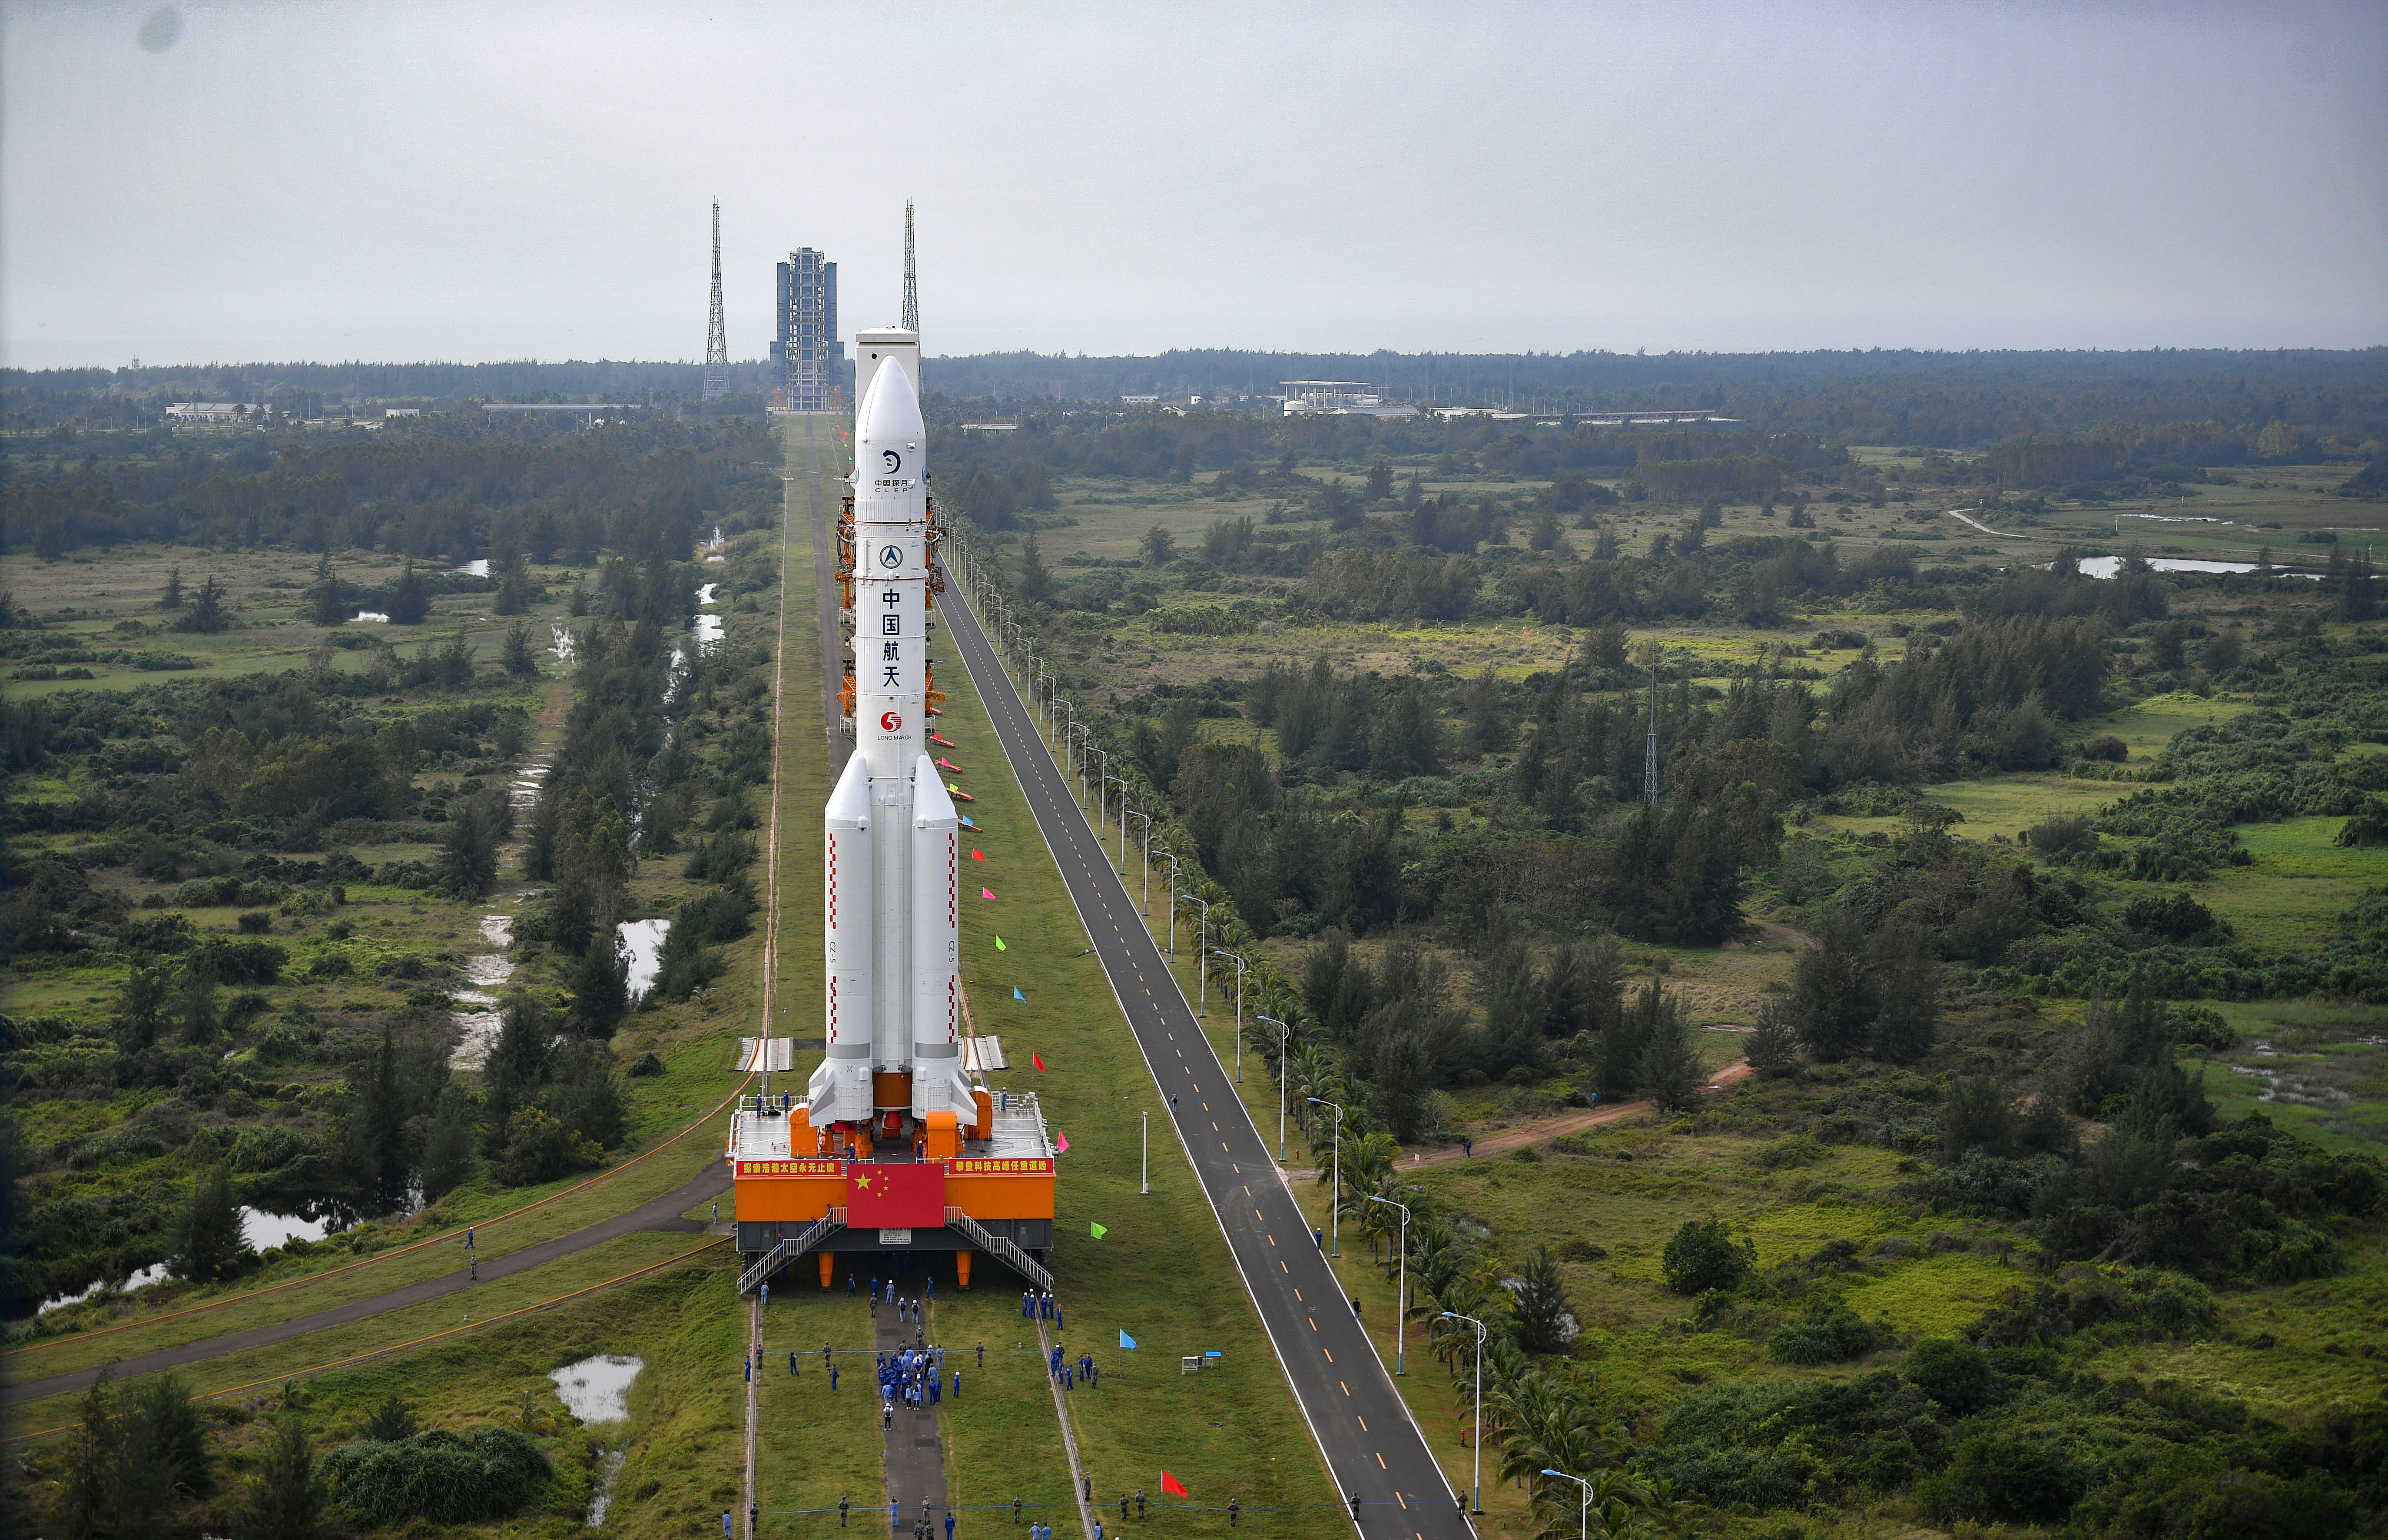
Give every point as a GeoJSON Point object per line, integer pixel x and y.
{"type": "Point", "coordinates": [894, 460]}
{"type": "Point", "coordinates": [891, 555]}
{"type": "Point", "coordinates": [890, 721]}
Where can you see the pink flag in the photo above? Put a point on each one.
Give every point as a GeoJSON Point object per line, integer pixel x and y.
{"type": "Point", "coordinates": [986, 893]}
{"type": "Point", "coordinates": [1062, 1143]}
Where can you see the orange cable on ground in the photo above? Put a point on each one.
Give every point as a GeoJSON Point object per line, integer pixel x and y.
{"type": "Point", "coordinates": [400, 1347]}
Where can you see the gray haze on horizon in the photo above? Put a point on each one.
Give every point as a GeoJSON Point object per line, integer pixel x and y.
{"type": "Point", "coordinates": [398, 181]}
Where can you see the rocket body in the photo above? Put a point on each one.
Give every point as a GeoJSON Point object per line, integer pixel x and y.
{"type": "Point", "coordinates": [892, 921]}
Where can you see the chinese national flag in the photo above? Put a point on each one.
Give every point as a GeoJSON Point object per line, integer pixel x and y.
{"type": "Point", "coordinates": [1171, 1487]}
{"type": "Point", "coordinates": [908, 1196]}
{"type": "Point", "coordinates": [1038, 1060]}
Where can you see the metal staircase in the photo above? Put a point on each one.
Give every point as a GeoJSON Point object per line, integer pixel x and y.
{"type": "Point", "coordinates": [1012, 1254]}
{"type": "Point", "coordinates": [789, 1248]}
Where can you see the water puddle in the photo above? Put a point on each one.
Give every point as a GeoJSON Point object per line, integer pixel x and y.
{"type": "Point", "coordinates": [372, 618]}
{"type": "Point", "coordinates": [2106, 566]}
{"type": "Point", "coordinates": [643, 941]}
{"type": "Point", "coordinates": [712, 548]}
{"type": "Point", "coordinates": [708, 628]}
{"type": "Point", "coordinates": [263, 1230]}
{"type": "Point", "coordinates": [597, 1391]}
{"type": "Point", "coordinates": [488, 972]}
{"type": "Point", "coordinates": [472, 569]}
{"type": "Point", "coordinates": [154, 1273]}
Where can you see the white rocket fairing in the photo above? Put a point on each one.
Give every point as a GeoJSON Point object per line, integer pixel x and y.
{"type": "Point", "coordinates": [891, 923]}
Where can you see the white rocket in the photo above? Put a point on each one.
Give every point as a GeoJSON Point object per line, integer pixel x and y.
{"type": "Point", "coordinates": [893, 918]}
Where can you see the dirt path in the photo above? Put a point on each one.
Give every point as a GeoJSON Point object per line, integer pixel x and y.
{"type": "Point", "coordinates": [1507, 1139]}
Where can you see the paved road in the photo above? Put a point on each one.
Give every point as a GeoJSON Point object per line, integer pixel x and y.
{"type": "Point", "coordinates": [660, 1214]}
{"type": "Point", "coordinates": [1375, 1451]}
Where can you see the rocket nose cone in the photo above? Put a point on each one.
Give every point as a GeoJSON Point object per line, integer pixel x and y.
{"type": "Point", "coordinates": [891, 408]}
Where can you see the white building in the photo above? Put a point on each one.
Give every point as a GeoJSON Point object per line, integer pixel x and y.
{"type": "Point", "coordinates": [216, 411]}
{"type": "Point", "coordinates": [1338, 398]}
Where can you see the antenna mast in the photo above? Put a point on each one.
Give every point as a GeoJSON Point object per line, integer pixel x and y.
{"type": "Point", "coordinates": [716, 336]}
{"type": "Point", "coordinates": [1650, 746]}
{"type": "Point", "coordinates": [911, 282]}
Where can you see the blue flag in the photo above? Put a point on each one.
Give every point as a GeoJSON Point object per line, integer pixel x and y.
{"type": "Point", "coordinates": [1127, 1341]}
{"type": "Point", "coordinates": [1018, 996]}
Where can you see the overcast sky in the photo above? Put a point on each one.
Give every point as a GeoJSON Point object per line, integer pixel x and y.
{"type": "Point", "coordinates": [492, 181]}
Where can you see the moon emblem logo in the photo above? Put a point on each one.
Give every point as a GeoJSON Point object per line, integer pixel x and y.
{"type": "Point", "coordinates": [894, 460]}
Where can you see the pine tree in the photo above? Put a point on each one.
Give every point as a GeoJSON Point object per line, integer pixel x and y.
{"type": "Point", "coordinates": [172, 597]}
{"type": "Point", "coordinates": [1908, 988]}
{"type": "Point", "coordinates": [410, 598]}
{"type": "Point", "coordinates": [1832, 998]}
{"type": "Point", "coordinates": [210, 1243]}
{"type": "Point", "coordinates": [601, 988]}
{"type": "Point", "coordinates": [448, 1146]}
{"type": "Point", "coordinates": [1774, 1042]}
{"type": "Point", "coordinates": [514, 589]}
{"type": "Point", "coordinates": [286, 1495]}
{"type": "Point", "coordinates": [1542, 1317]}
{"type": "Point", "coordinates": [1036, 579]}
{"type": "Point", "coordinates": [1668, 1070]}
{"type": "Point", "coordinates": [1488, 728]}
{"type": "Point", "coordinates": [1408, 743]}
{"type": "Point", "coordinates": [521, 655]}
{"type": "Point", "coordinates": [323, 605]}
{"type": "Point", "coordinates": [207, 614]}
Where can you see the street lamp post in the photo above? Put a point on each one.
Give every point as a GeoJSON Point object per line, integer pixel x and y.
{"type": "Point", "coordinates": [1240, 966]}
{"type": "Point", "coordinates": [1127, 813]}
{"type": "Point", "coordinates": [1335, 1192]}
{"type": "Point", "coordinates": [1171, 856]}
{"type": "Point", "coordinates": [1401, 1290]}
{"type": "Point", "coordinates": [1583, 1512]}
{"type": "Point", "coordinates": [1121, 782]}
{"type": "Point", "coordinates": [1456, 1316]}
{"type": "Point", "coordinates": [1284, 1041]}
{"type": "Point", "coordinates": [1201, 957]}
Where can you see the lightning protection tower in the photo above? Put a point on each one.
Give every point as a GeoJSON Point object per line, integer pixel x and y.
{"type": "Point", "coordinates": [1650, 745]}
{"type": "Point", "coordinates": [911, 281]}
{"type": "Point", "coordinates": [717, 338]}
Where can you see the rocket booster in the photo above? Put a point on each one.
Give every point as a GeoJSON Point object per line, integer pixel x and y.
{"type": "Point", "coordinates": [891, 917]}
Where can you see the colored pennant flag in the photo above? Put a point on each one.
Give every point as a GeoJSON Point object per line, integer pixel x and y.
{"type": "Point", "coordinates": [1098, 1231]}
{"type": "Point", "coordinates": [967, 824]}
{"type": "Point", "coordinates": [1061, 1144]}
{"type": "Point", "coordinates": [938, 739]}
{"type": "Point", "coordinates": [1000, 946]}
{"type": "Point", "coordinates": [1022, 999]}
{"type": "Point", "coordinates": [1171, 1487]}
{"type": "Point", "coordinates": [1127, 1341]}
{"type": "Point", "coordinates": [1036, 1059]}
{"type": "Point", "coordinates": [978, 854]}
{"type": "Point", "coordinates": [949, 764]}
{"type": "Point", "coordinates": [987, 893]}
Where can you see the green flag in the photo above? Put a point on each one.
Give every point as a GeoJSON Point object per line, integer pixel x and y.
{"type": "Point", "coordinates": [1000, 946]}
{"type": "Point", "coordinates": [1096, 1228]}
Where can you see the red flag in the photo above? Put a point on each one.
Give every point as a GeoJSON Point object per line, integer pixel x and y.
{"type": "Point", "coordinates": [977, 855]}
{"type": "Point", "coordinates": [893, 1196]}
{"type": "Point", "coordinates": [1039, 1060]}
{"type": "Point", "coordinates": [1171, 1487]}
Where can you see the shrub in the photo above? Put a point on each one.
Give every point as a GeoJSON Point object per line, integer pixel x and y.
{"type": "Point", "coordinates": [1999, 1476]}
{"type": "Point", "coordinates": [1827, 1331]}
{"type": "Point", "coordinates": [438, 1476]}
{"type": "Point", "coordinates": [1701, 1256]}
{"type": "Point", "coordinates": [1957, 1375]}
{"type": "Point", "coordinates": [2106, 747]}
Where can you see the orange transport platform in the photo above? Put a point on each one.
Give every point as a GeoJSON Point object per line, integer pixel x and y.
{"type": "Point", "coordinates": [995, 1176]}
